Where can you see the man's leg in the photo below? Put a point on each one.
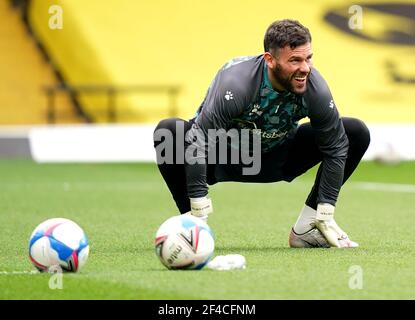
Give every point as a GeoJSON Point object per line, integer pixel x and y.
{"type": "Point", "coordinates": [304, 154]}
{"type": "Point", "coordinates": [174, 174]}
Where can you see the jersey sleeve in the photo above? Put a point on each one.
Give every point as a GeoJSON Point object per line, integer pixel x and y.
{"type": "Point", "coordinates": [330, 135]}
{"type": "Point", "coordinates": [224, 101]}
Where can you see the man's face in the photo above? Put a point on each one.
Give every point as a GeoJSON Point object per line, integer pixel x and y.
{"type": "Point", "coordinates": [290, 68]}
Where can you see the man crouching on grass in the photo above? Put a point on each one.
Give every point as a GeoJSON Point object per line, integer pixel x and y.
{"type": "Point", "coordinates": [267, 95]}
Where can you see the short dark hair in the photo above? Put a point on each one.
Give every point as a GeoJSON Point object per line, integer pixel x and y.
{"type": "Point", "coordinates": [286, 32]}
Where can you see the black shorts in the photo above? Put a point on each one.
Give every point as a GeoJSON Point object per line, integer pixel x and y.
{"type": "Point", "coordinates": [285, 162]}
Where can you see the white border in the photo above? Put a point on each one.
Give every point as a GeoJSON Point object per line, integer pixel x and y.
{"type": "Point", "coordinates": [134, 142]}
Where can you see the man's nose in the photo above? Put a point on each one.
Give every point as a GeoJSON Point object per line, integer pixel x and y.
{"type": "Point", "coordinates": [304, 67]}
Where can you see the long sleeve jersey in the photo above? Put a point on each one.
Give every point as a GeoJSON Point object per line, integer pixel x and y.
{"type": "Point", "coordinates": [241, 97]}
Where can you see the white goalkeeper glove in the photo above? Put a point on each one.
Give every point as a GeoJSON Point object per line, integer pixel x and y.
{"type": "Point", "coordinates": [335, 236]}
{"type": "Point", "coordinates": [201, 207]}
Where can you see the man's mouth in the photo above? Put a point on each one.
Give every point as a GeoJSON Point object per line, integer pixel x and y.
{"type": "Point", "coordinates": [300, 79]}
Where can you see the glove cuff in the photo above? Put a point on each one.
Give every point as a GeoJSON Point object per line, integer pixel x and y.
{"type": "Point", "coordinates": [325, 212]}
{"type": "Point", "coordinates": [201, 207]}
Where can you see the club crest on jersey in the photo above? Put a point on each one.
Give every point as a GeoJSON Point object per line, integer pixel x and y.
{"type": "Point", "coordinates": [256, 110]}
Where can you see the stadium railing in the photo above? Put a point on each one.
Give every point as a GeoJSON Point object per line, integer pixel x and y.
{"type": "Point", "coordinates": [111, 92]}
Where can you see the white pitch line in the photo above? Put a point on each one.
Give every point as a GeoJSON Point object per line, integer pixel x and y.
{"type": "Point", "coordinates": [388, 187]}
{"type": "Point", "coordinates": [18, 272]}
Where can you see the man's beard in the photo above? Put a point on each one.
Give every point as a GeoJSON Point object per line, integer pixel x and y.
{"type": "Point", "coordinates": [286, 82]}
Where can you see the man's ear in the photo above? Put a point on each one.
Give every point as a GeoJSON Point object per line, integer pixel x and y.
{"type": "Point", "coordinates": [269, 60]}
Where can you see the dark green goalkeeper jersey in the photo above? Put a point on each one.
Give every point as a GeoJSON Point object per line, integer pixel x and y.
{"type": "Point", "coordinates": [241, 96]}
{"type": "Point", "coordinates": [274, 116]}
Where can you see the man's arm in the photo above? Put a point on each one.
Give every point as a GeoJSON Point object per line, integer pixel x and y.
{"type": "Point", "coordinates": [224, 101]}
{"type": "Point", "coordinates": [333, 143]}
{"type": "Point", "coordinates": [331, 138]}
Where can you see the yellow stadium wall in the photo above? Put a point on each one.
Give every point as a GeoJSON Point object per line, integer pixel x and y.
{"type": "Point", "coordinates": [185, 42]}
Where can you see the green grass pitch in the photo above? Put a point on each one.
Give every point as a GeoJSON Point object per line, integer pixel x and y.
{"type": "Point", "coordinates": [120, 206]}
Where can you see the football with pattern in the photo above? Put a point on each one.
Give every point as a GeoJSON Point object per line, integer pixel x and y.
{"type": "Point", "coordinates": [58, 243]}
{"type": "Point", "coordinates": [184, 242]}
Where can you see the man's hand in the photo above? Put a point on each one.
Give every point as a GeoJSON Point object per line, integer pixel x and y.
{"type": "Point", "coordinates": [335, 236]}
{"type": "Point", "coordinates": [201, 207]}
{"type": "Point", "coordinates": [325, 214]}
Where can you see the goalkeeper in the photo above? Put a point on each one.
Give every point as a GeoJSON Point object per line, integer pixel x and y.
{"type": "Point", "coordinates": [268, 94]}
